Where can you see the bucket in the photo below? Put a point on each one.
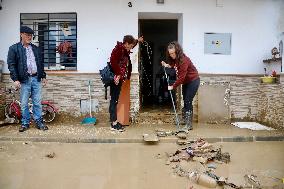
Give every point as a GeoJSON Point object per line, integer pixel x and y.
{"type": "Point", "coordinates": [203, 180]}
{"type": "Point", "coordinates": [268, 79]}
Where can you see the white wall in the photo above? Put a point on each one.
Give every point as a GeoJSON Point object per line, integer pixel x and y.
{"type": "Point", "coordinates": [281, 29]}
{"type": "Point", "coordinates": [254, 25]}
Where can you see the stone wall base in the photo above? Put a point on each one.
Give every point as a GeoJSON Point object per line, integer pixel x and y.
{"type": "Point", "coordinates": [247, 98]}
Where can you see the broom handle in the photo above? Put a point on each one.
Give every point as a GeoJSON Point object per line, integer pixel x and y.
{"type": "Point", "coordinates": [177, 120]}
{"type": "Point", "coordinates": [90, 106]}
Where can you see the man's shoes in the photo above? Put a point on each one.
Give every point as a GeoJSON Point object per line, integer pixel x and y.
{"type": "Point", "coordinates": [40, 125]}
{"type": "Point", "coordinates": [44, 128]}
{"type": "Point", "coordinates": [24, 127]}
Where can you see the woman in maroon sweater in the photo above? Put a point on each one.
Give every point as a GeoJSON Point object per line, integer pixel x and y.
{"type": "Point", "coordinates": [187, 75]}
{"type": "Point", "coordinates": [121, 65]}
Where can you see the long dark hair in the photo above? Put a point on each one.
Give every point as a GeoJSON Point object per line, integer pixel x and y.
{"type": "Point", "coordinates": [178, 50]}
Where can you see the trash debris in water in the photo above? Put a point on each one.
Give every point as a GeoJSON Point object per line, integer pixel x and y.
{"type": "Point", "coordinates": [51, 155]}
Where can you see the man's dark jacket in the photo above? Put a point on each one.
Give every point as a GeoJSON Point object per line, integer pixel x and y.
{"type": "Point", "coordinates": [17, 62]}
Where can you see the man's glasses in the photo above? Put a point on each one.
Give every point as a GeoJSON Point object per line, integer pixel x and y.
{"type": "Point", "coordinates": [28, 34]}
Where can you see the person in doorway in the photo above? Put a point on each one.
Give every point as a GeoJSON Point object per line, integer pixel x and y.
{"type": "Point", "coordinates": [27, 71]}
{"type": "Point", "coordinates": [187, 76]}
{"type": "Point", "coordinates": [163, 93]}
{"type": "Point", "coordinates": [121, 65]}
{"type": "Point", "coordinates": [163, 88]}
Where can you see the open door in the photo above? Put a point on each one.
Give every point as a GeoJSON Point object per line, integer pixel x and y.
{"type": "Point", "coordinates": [153, 85]}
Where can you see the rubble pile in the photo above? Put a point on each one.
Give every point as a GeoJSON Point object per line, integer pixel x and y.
{"type": "Point", "coordinates": [198, 160]}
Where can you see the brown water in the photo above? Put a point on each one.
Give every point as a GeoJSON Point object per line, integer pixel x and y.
{"type": "Point", "coordinates": [124, 166]}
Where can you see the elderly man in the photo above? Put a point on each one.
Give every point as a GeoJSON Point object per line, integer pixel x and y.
{"type": "Point", "coordinates": [27, 71]}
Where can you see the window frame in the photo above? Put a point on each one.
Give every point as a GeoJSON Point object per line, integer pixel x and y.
{"type": "Point", "coordinates": [56, 62]}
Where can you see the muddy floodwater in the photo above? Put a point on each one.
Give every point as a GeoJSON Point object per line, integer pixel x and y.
{"type": "Point", "coordinates": [34, 165]}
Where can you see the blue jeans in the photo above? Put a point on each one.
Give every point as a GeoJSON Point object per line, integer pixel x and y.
{"type": "Point", "coordinates": [31, 88]}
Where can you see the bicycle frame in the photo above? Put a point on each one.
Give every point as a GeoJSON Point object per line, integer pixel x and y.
{"type": "Point", "coordinates": [46, 102]}
{"type": "Point", "coordinates": [14, 108]}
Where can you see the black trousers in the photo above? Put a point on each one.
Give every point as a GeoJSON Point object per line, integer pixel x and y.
{"type": "Point", "coordinates": [114, 96]}
{"type": "Point", "coordinates": [189, 90]}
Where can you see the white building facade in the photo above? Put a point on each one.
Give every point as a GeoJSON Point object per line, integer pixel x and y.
{"type": "Point", "coordinates": [254, 26]}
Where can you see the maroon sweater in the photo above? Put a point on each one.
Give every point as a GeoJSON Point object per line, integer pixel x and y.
{"type": "Point", "coordinates": [120, 62]}
{"type": "Point", "coordinates": [186, 72]}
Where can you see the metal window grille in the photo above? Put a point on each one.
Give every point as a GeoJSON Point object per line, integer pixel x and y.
{"type": "Point", "coordinates": [51, 31]}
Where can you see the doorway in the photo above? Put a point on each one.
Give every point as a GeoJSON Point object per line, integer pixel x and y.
{"type": "Point", "coordinates": [157, 34]}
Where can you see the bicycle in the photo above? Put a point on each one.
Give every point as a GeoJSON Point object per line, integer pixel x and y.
{"type": "Point", "coordinates": [13, 109]}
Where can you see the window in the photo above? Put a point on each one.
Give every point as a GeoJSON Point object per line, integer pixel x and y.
{"type": "Point", "coordinates": [56, 36]}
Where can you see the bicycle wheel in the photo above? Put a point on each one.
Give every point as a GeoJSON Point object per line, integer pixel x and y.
{"type": "Point", "coordinates": [48, 113]}
{"type": "Point", "coordinates": [11, 114]}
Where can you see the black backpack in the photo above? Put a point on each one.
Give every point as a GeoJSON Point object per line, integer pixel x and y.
{"type": "Point", "coordinates": [107, 77]}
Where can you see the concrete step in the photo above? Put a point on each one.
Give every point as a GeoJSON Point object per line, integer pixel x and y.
{"type": "Point", "coordinates": [156, 118]}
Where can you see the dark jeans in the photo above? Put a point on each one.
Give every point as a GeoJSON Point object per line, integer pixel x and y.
{"type": "Point", "coordinates": [189, 90]}
{"type": "Point", "coordinates": [114, 96]}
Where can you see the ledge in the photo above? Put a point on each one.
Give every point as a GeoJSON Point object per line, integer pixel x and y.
{"type": "Point", "coordinates": [273, 60]}
{"type": "Point", "coordinates": [63, 73]}
{"type": "Point", "coordinates": [139, 140]}
{"type": "Point", "coordinates": [232, 75]}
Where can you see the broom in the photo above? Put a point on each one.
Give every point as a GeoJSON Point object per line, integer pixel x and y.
{"type": "Point", "coordinates": [174, 107]}
{"type": "Point", "coordinates": [89, 120]}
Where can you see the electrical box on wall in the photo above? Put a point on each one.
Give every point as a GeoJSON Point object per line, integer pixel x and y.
{"type": "Point", "coordinates": [217, 43]}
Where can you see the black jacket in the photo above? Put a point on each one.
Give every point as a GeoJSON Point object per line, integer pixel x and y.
{"type": "Point", "coordinates": [17, 62]}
